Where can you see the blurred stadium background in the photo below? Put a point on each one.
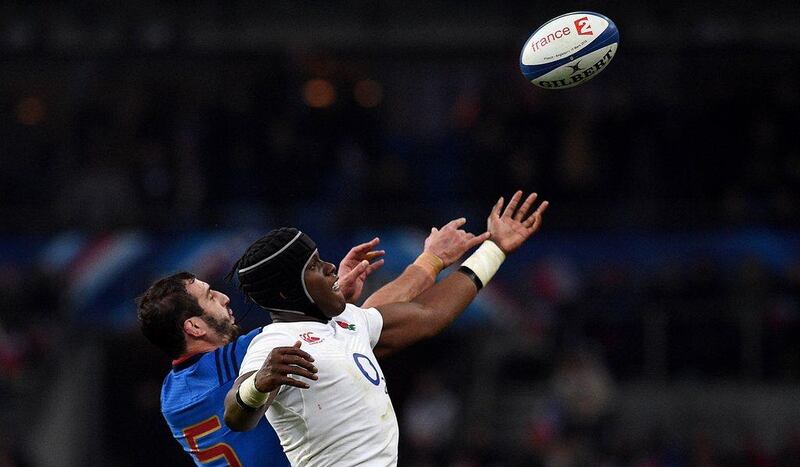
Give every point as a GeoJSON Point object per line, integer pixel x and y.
{"type": "Point", "coordinates": [655, 321]}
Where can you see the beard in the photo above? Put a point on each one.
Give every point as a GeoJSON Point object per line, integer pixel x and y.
{"type": "Point", "coordinates": [225, 329]}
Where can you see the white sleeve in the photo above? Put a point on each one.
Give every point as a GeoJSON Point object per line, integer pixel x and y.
{"type": "Point", "coordinates": [372, 319]}
{"type": "Point", "coordinates": [260, 347]}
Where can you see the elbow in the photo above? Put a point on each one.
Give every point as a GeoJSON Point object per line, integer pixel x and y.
{"type": "Point", "coordinates": [232, 422]}
{"type": "Point", "coordinates": [235, 421]}
{"type": "Point", "coordinates": [430, 326]}
{"type": "Point", "coordinates": [436, 322]}
{"type": "Point", "coordinates": [428, 332]}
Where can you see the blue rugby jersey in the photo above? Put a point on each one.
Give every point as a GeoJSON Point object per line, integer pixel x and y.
{"type": "Point", "coordinates": [193, 404]}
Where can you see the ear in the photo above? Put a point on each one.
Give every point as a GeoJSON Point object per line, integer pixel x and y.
{"type": "Point", "coordinates": [194, 327]}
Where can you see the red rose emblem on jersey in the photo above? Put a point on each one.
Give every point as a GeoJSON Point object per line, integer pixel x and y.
{"type": "Point", "coordinates": [346, 325]}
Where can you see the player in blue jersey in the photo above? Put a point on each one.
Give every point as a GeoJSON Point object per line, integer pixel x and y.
{"type": "Point", "coordinates": [195, 326]}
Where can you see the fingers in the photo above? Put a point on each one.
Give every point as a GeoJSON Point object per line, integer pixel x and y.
{"type": "Point", "coordinates": [542, 208]}
{"type": "Point", "coordinates": [280, 375]}
{"type": "Point", "coordinates": [285, 362]}
{"type": "Point", "coordinates": [374, 266]}
{"type": "Point", "coordinates": [294, 350]}
{"type": "Point", "coordinates": [295, 360]}
{"type": "Point", "coordinates": [292, 360]}
{"type": "Point", "coordinates": [366, 246]}
{"type": "Point", "coordinates": [475, 241]}
{"type": "Point", "coordinates": [455, 223]}
{"type": "Point", "coordinates": [497, 207]}
{"type": "Point", "coordinates": [284, 369]}
{"type": "Point", "coordinates": [287, 381]}
{"type": "Point", "coordinates": [369, 256]}
{"type": "Point", "coordinates": [535, 219]}
{"type": "Point", "coordinates": [512, 204]}
{"type": "Point", "coordinates": [520, 214]}
{"type": "Point", "coordinates": [512, 212]}
{"type": "Point", "coordinates": [351, 275]}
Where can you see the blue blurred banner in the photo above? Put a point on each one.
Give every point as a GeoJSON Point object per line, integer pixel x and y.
{"type": "Point", "coordinates": [104, 273]}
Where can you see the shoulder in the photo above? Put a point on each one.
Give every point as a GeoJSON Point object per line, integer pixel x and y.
{"type": "Point", "coordinates": [270, 337]}
{"type": "Point", "coordinates": [356, 312]}
{"type": "Point", "coordinates": [369, 314]}
{"type": "Point", "coordinates": [245, 339]}
{"type": "Point", "coordinates": [273, 335]}
{"type": "Point", "coordinates": [230, 355]}
{"type": "Point", "coordinates": [183, 386]}
{"type": "Point", "coordinates": [354, 318]}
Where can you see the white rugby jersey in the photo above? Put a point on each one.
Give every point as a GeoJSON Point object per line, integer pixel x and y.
{"type": "Point", "coordinates": [346, 417]}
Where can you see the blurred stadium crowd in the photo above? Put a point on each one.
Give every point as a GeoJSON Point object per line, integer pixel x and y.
{"type": "Point", "coordinates": [169, 134]}
{"type": "Point", "coordinates": [657, 323]}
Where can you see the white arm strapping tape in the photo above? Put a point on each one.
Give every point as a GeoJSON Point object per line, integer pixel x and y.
{"type": "Point", "coordinates": [485, 261]}
{"type": "Point", "coordinates": [250, 395]}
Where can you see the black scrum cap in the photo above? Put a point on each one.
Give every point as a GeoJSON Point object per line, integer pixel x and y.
{"type": "Point", "coordinates": [271, 272]}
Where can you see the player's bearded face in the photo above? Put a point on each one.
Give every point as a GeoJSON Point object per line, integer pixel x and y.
{"type": "Point", "coordinates": [225, 328]}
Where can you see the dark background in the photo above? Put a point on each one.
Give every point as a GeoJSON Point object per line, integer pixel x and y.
{"type": "Point", "coordinates": [653, 321]}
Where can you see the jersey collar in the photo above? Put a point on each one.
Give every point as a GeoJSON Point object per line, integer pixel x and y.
{"type": "Point", "coordinates": [186, 360]}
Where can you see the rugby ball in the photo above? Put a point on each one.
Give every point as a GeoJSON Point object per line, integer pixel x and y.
{"type": "Point", "coordinates": [569, 50]}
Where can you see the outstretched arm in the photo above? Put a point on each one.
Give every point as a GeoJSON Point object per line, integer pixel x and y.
{"type": "Point", "coordinates": [426, 315]}
{"type": "Point", "coordinates": [434, 309]}
{"type": "Point", "coordinates": [442, 248]}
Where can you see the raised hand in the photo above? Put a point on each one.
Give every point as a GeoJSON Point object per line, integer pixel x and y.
{"type": "Point", "coordinates": [450, 242]}
{"type": "Point", "coordinates": [511, 228]}
{"type": "Point", "coordinates": [356, 266]}
{"type": "Point", "coordinates": [283, 362]}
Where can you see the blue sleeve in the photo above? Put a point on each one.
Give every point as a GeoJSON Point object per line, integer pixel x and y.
{"type": "Point", "coordinates": [193, 404]}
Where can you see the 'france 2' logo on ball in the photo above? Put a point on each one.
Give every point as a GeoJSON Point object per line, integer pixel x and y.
{"type": "Point", "coordinates": [569, 50]}
{"type": "Point", "coordinates": [583, 26]}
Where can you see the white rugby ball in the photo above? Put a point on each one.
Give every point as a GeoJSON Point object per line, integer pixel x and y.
{"type": "Point", "coordinates": [569, 50]}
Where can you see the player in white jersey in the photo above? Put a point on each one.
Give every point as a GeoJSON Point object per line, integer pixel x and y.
{"type": "Point", "coordinates": [359, 422]}
{"type": "Point", "coordinates": [339, 413]}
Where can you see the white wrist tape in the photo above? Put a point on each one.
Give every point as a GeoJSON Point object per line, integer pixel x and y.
{"type": "Point", "coordinates": [485, 261]}
{"type": "Point", "coordinates": [251, 396]}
